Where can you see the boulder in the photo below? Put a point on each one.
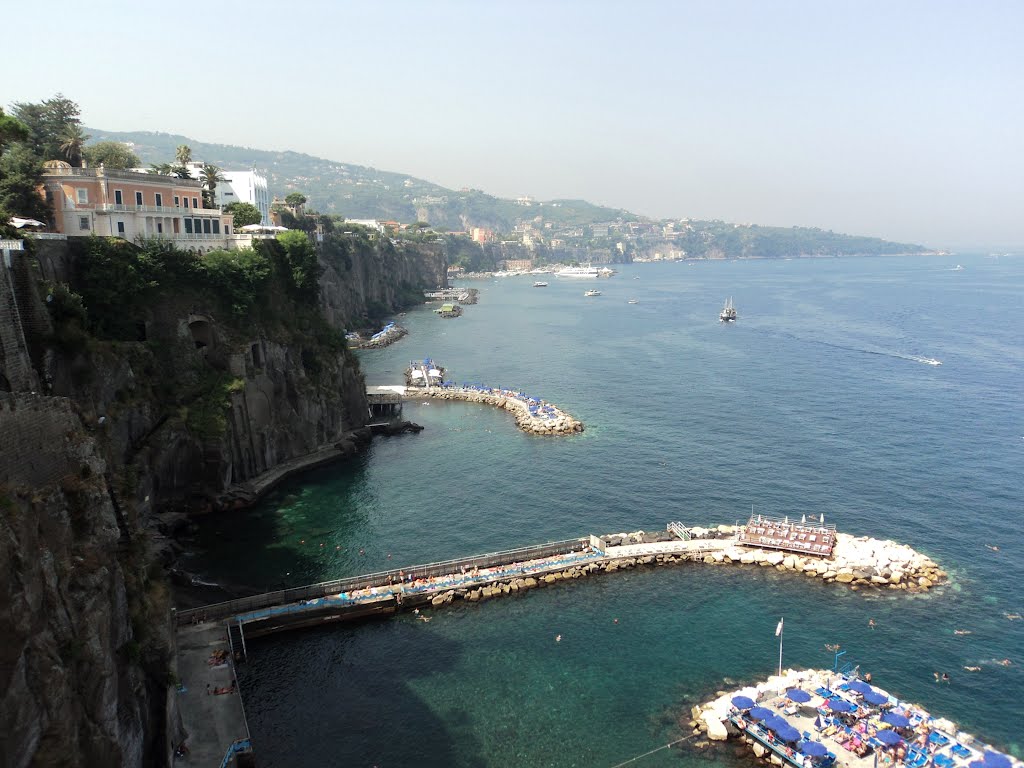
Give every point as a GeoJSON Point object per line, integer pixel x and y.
{"type": "Point", "coordinates": [716, 729]}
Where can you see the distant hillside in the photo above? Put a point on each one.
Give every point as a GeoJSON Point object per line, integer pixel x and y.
{"type": "Point", "coordinates": [553, 230]}
{"type": "Point", "coordinates": [358, 192]}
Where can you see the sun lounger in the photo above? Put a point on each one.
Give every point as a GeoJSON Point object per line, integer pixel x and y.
{"type": "Point", "coordinates": [960, 751]}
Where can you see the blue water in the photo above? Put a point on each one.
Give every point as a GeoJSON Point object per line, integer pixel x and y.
{"type": "Point", "coordinates": [816, 400]}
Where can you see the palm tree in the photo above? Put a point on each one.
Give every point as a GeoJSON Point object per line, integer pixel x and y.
{"type": "Point", "coordinates": [183, 155]}
{"type": "Point", "coordinates": [72, 142]}
{"type": "Point", "coordinates": [161, 169]}
{"type": "Point", "coordinates": [210, 175]}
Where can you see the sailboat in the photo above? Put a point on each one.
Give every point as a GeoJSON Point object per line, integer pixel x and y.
{"type": "Point", "coordinates": [728, 313]}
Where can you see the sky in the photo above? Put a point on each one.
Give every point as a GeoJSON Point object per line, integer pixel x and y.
{"type": "Point", "coordinates": [902, 120]}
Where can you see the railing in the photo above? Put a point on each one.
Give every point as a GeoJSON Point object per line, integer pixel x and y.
{"type": "Point", "coordinates": [12, 245]}
{"type": "Point", "coordinates": [779, 521]}
{"type": "Point", "coordinates": [679, 530]}
{"type": "Point", "coordinates": [99, 173]}
{"type": "Point", "coordinates": [381, 578]}
{"type": "Point", "coordinates": [239, 745]}
{"type": "Point", "coordinates": [48, 236]}
{"type": "Point", "coordinates": [175, 209]}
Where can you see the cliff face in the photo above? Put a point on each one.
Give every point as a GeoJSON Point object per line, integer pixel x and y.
{"type": "Point", "coordinates": [365, 280]}
{"type": "Point", "coordinates": [85, 652]}
{"type": "Point", "coordinates": [99, 438]}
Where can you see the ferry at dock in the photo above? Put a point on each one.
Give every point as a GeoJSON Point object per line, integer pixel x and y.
{"type": "Point", "coordinates": [585, 271]}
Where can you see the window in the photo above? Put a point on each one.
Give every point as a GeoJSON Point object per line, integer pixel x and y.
{"type": "Point", "coordinates": [188, 225]}
{"type": "Point", "coordinates": [186, 202]}
{"type": "Point", "coordinates": [159, 199]}
{"type": "Point", "coordinates": [177, 201]}
{"type": "Point", "coordinates": [206, 226]}
{"type": "Point", "coordinates": [118, 197]}
{"type": "Point", "coordinates": [159, 227]}
{"type": "Point", "coordinates": [120, 227]}
{"type": "Point", "coordinates": [216, 227]}
{"type": "Point", "coordinates": [195, 202]}
{"type": "Point", "coordinates": [83, 222]}
{"type": "Point", "coordinates": [82, 195]}
{"type": "Point", "coordinates": [138, 198]}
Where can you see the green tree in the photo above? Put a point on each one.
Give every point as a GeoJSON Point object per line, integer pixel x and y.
{"type": "Point", "coordinates": [72, 142]}
{"type": "Point", "coordinates": [295, 199]}
{"type": "Point", "coordinates": [48, 122]}
{"type": "Point", "coordinates": [183, 155]}
{"type": "Point", "coordinates": [299, 264]}
{"type": "Point", "coordinates": [11, 130]}
{"type": "Point", "coordinates": [21, 174]}
{"type": "Point", "coordinates": [161, 169]}
{"type": "Point", "coordinates": [111, 154]}
{"type": "Point", "coordinates": [244, 214]}
{"type": "Point", "coordinates": [210, 175]}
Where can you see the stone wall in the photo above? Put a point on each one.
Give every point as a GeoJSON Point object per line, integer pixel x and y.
{"type": "Point", "coordinates": [16, 372]}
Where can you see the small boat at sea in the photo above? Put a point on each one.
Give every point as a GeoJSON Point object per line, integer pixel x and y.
{"type": "Point", "coordinates": [728, 313]}
{"type": "Point", "coordinates": [592, 292]}
{"type": "Point", "coordinates": [540, 284]}
{"type": "Point", "coordinates": [958, 268]}
{"type": "Point", "coordinates": [632, 301]}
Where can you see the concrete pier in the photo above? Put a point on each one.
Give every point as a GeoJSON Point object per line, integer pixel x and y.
{"type": "Point", "coordinates": [534, 416]}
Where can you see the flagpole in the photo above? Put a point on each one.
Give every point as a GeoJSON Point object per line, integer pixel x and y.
{"type": "Point", "coordinates": [781, 631]}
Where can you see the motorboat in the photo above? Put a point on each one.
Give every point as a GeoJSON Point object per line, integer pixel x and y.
{"type": "Point", "coordinates": [540, 284]}
{"type": "Point", "coordinates": [592, 292]}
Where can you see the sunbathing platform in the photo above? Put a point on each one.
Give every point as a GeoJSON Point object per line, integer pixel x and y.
{"type": "Point", "coordinates": [820, 719]}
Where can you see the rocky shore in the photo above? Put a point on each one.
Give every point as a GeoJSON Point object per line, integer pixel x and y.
{"type": "Point", "coordinates": [856, 560]}
{"type": "Point", "coordinates": [548, 420]}
{"type": "Point", "coordinates": [391, 333]}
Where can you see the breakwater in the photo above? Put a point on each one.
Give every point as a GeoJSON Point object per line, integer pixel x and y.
{"type": "Point", "coordinates": [532, 415]}
{"type": "Point", "coordinates": [483, 577]}
{"type": "Point", "coordinates": [808, 718]}
{"type": "Point", "coordinates": [387, 335]}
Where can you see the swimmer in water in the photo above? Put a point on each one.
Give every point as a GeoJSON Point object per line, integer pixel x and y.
{"type": "Point", "coordinates": [558, 638]}
{"type": "Point", "coordinates": [1012, 616]}
{"type": "Point", "coordinates": [962, 632]}
{"type": "Point", "coordinates": [992, 547]}
{"type": "Point", "coordinates": [973, 669]}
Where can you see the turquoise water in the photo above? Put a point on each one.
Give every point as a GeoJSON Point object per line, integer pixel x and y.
{"type": "Point", "coordinates": [816, 400]}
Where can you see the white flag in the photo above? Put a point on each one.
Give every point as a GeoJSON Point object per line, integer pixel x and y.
{"type": "Point", "coordinates": [778, 629]}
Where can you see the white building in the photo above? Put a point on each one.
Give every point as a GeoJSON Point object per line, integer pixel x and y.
{"type": "Point", "coordinates": [239, 187]}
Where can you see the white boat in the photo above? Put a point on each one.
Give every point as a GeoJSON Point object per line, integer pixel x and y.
{"type": "Point", "coordinates": [632, 301]}
{"type": "Point", "coordinates": [540, 284]}
{"type": "Point", "coordinates": [592, 293]}
{"type": "Point", "coordinates": [958, 268]}
{"type": "Point", "coordinates": [728, 313]}
{"type": "Point", "coordinates": [585, 271]}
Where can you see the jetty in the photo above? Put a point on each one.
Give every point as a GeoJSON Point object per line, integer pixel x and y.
{"type": "Point", "coordinates": [823, 718]}
{"type": "Point", "coordinates": [387, 335]}
{"type": "Point", "coordinates": [215, 635]}
{"type": "Point", "coordinates": [461, 295]}
{"type": "Point", "coordinates": [481, 577]}
{"type": "Point", "coordinates": [533, 415]}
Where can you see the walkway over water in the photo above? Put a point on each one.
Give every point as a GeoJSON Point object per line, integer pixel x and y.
{"type": "Point", "coordinates": [385, 591]}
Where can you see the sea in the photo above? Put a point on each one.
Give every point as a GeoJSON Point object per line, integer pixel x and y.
{"type": "Point", "coordinates": [821, 399]}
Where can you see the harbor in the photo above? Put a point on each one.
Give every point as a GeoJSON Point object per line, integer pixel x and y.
{"type": "Point", "coordinates": [218, 633]}
{"type": "Point", "coordinates": [822, 718]}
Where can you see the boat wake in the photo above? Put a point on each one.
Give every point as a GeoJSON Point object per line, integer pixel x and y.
{"type": "Point", "coordinates": [864, 350]}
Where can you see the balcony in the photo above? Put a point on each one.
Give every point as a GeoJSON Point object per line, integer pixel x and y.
{"type": "Point", "coordinates": [169, 210]}
{"type": "Point", "coordinates": [100, 173]}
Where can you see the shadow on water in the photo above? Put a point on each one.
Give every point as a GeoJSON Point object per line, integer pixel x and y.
{"type": "Point", "coordinates": [290, 538]}
{"type": "Point", "coordinates": [346, 696]}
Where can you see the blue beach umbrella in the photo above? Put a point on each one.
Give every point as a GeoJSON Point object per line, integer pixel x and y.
{"type": "Point", "coordinates": [774, 722]}
{"type": "Point", "coordinates": [888, 737]}
{"type": "Point", "coordinates": [896, 719]}
{"type": "Point", "coordinates": [876, 698]}
{"type": "Point", "coordinates": [742, 702]}
{"type": "Point", "coordinates": [800, 697]}
{"type": "Point", "coordinates": [788, 733]}
{"type": "Point", "coordinates": [996, 759]}
{"type": "Point", "coordinates": [759, 713]}
{"type": "Point", "coordinates": [860, 686]}
{"type": "Point", "coordinates": [814, 749]}
{"type": "Point", "coordinates": [839, 705]}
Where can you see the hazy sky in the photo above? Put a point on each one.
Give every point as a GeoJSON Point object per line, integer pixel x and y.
{"type": "Point", "coordinates": [899, 119]}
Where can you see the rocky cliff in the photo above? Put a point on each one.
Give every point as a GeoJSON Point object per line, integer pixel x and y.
{"type": "Point", "coordinates": [122, 404]}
